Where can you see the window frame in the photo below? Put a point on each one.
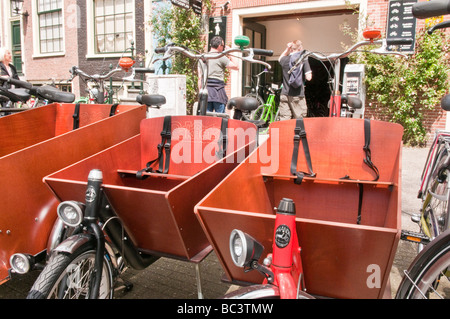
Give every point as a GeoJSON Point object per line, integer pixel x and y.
{"type": "Point", "coordinates": [91, 32]}
{"type": "Point", "coordinates": [37, 52]}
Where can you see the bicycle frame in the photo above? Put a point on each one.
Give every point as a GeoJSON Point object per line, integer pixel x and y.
{"type": "Point", "coordinates": [269, 108]}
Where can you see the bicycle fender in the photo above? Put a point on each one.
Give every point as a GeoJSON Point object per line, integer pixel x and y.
{"type": "Point", "coordinates": [73, 243]}
{"type": "Point", "coordinates": [254, 292]}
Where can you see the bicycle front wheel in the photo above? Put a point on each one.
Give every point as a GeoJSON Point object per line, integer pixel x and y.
{"type": "Point", "coordinates": [262, 114]}
{"type": "Point", "coordinates": [69, 277]}
{"type": "Point", "coordinates": [428, 275]}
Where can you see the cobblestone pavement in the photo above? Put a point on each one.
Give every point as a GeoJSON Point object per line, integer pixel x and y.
{"type": "Point", "coordinates": [173, 279]}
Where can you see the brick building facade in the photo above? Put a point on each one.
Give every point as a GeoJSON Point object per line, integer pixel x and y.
{"type": "Point", "coordinates": [85, 31]}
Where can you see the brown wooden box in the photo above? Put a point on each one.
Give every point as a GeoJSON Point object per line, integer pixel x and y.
{"type": "Point", "coordinates": [341, 259]}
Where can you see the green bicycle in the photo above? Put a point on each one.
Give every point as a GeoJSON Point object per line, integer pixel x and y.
{"type": "Point", "coordinates": [268, 112]}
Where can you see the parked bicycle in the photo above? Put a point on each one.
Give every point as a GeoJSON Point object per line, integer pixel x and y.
{"type": "Point", "coordinates": [268, 112]}
{"type": "Point", "coordinates": [99, 91]}
{"type": "Point", "coordinates": [321, 261]}
{"type": "Point", "coordinates": [107, 237]}
{"type": "Point", "coordinates": [429, 274]}
{"type": "Point", "coordinates": [343, 105]}
{"type": "Point", "coordinates": [258, 88]}
{"type": "Point", "coordinates": [23, 91]}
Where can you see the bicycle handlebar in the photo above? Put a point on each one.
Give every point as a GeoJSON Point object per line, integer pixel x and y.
{"type": "Point", "coordinates": [381, 50]}
{"type": "Point", "coordinates": [19, 83]}
{"type": "Point", "coordinates": [77, 71]}
{"type": "Point", "coordinates": [428, 9]}
{"type": "Point", "coordinates": [167, 50]}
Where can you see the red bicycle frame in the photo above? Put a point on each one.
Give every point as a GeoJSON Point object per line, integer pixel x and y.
{"type": "Point", "coordinates": [286, 260]}
{"type": "Point", "coordinates": [283, 267]}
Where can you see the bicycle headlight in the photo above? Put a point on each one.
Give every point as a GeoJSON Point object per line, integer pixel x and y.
{"type": "Point", "coordinates": [71, 213]}
{"type": "Point", "coordinates": [244, 248]}
{"type": "Point", "coordinates": [20, 263]}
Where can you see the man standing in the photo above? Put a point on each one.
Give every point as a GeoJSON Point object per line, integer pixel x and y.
{"type": "Point", "coordinates": [217, 97]}
{"type": "Point", "coordinates": [292, 99]}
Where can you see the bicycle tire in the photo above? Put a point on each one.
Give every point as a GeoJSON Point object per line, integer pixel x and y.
{"type": "Point", "coordinates": [429, 272]}
{"type": "Point", "coordinates": [57, 279]}
{"type": "Point", "coordinates": [256, 96]}
{"type": "Point", "coordinates": [248, 115]}
{"type": "Point", "coordinates": [260, 113]}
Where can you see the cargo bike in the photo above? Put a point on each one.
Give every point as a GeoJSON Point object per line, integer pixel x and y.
{"type": "Point", "coordinates": [36, 143]}
{"type": "Point", "coordinates": [324, 210]}
{"type": "Point", "coordinates": [132, 203]}
{"type": "Point", "coordinates": [42, 140]}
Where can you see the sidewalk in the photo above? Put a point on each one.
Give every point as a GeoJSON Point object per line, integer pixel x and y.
{"type": "Point", "coordinates": [174, 279]}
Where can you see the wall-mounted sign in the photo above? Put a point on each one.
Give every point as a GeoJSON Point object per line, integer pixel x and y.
{"type": "Point", "coordinates": [401, 24]}
{"type": "Point", "coordinates": [218, 26]}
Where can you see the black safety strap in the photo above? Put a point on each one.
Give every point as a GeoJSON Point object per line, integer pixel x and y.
{"type": "Point", "coordinates": [166, 135]}
{"type": "Point", "coordinates": [361, 192]}
{"type": "Point", "coordinates": [113, 109]}
{"type": "Point", "coordinates": [300, 133]}
{"type": "Point", "coordinates": [223, 141]}
{"type": "Point", "coordinates": [76, 116]}
{"type": "Point", "coordinates": [368, 159]}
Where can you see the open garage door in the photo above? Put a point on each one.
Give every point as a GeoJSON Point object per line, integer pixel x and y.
{"type": "Point", "coordinates": [318, 31]}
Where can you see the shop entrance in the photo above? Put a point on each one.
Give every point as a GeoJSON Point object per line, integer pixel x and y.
{"type": "Point", "coordinates": [319, 32]}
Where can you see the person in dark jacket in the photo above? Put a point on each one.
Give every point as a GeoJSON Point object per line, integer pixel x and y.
{"type": "Point", "coordinates": [292, 99]}
{"type": "Point", "coordinates": [7, 69]}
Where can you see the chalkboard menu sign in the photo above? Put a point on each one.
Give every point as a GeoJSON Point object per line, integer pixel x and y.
{"type": "Point", "coordinates": [401, 24]}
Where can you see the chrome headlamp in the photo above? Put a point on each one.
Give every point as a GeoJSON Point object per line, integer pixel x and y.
{"type": "Point", "coordinates": [20, 263]}
{"type": "Point", "coordinates": [71, 213]}
{"type": "Point", "coordinates": [244, 248]}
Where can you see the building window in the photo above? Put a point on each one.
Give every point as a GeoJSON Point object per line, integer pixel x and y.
{"type": "Point", "coordinates": [113, 25]}
{"type": "Point", "coordinates": [50, 26]}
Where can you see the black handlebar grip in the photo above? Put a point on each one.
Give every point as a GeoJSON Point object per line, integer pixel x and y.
{"type": "Point", "coordinates": [18, 83]}
{"type": "Point", "coordinates": [263, 52]}
{"type": "Point", "coordinates": [144, 70]}
{"type": "Point", "coordinates": [433, 8]}
{"type": "Point", "coordinates": [161, 50]}
{"type": "Point", "coordinates": [399, 41]}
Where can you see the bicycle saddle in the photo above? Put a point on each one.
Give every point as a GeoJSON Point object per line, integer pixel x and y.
{"type": "Point", "coordinates": [55, 95]}
{"type": "Point", "coordinates": [15, 95]}
{"type": "Point", "coordinates": [151, 99]}
{"type": "Point", "coordinates": [352, 101]}
{"type": "Point", "coordinates": [243, 103]}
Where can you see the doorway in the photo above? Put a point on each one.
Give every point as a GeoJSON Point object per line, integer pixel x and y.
{"type": "Point", "coordinates": [16, 46]}
{"type": "Point", "coordinates": [257, 34]}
